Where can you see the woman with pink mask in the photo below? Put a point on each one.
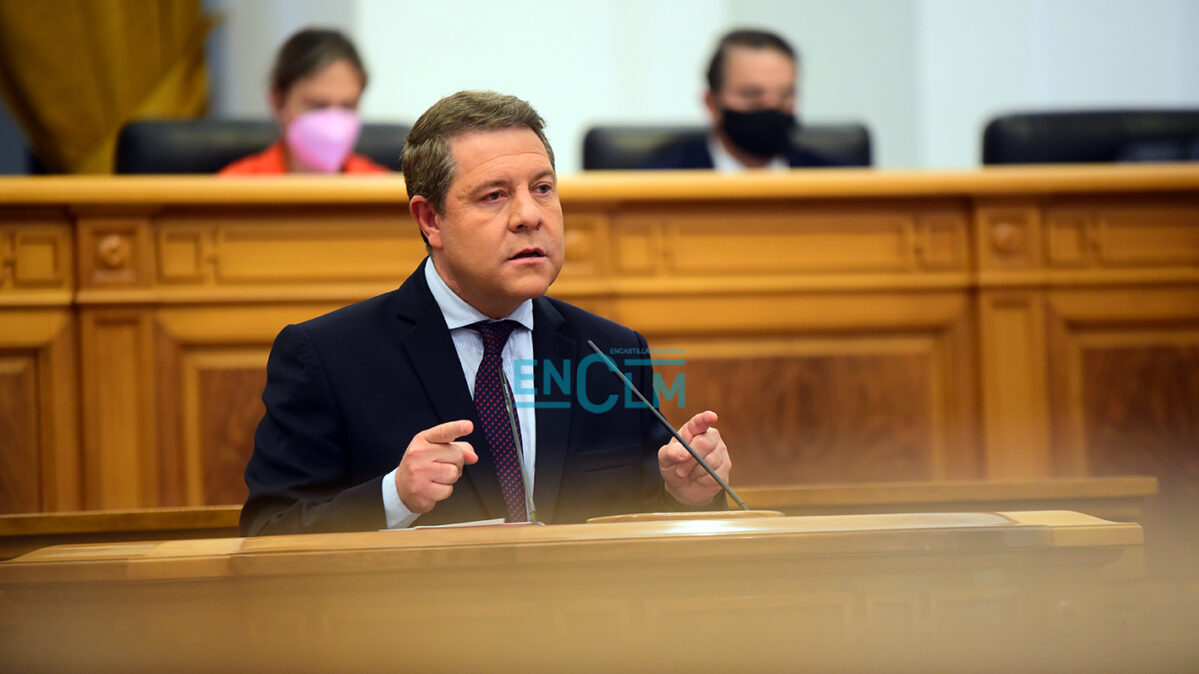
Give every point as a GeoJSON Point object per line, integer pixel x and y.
{"type": "Point", "coordinates": [316, 83]}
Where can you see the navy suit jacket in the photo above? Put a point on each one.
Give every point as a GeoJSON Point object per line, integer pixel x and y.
{"type": "Point", "coordinates": [694, 154]}
{"type": "Point", "coordinates": [347, 391]}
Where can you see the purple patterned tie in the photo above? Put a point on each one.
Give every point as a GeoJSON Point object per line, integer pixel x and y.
{"type": "Point", "coordinates": [489, 402]}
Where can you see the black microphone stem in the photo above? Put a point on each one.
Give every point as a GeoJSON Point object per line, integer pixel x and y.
{"type": "Point", "coordinates": [699, 459]}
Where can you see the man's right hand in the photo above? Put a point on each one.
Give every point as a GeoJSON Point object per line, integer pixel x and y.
{"type": "Point", "coordinates": [432, 465]}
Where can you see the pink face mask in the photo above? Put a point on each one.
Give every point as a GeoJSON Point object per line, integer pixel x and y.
{"type": "Point", "coordinates": [322, 139]}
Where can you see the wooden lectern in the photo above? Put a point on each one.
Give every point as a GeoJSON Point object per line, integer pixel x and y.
{"type": "Point", "coordinates": [937, 591]}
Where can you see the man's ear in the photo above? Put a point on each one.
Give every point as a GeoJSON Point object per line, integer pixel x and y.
{"type": "Point", "coordinates": [713, 109]}
{"type": "Point", "coordinates": [427, 219]}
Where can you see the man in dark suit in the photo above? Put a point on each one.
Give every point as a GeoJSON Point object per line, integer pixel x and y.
{"type": "Point", "coordinates": [393, 411]}
{"type": "Point", "coordinates": [751, 101]}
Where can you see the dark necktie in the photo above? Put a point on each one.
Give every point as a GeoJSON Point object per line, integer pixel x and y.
{"type": "Point", "coordinates": [489, 402]}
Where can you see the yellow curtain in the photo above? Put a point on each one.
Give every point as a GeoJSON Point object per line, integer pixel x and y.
{"type": "Point", "coordinates": [74, 71]}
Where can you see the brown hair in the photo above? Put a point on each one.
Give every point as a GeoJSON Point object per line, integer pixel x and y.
{"type": "Point", "coordinates": [427, 160]}
{"type": "Point", "coordinates": [308, 51]}
{"type": "Point", "coordinates": [753, 39]}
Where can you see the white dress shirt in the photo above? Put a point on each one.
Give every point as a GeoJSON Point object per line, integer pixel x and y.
{"type": "Point", "coordinates": [726, 163]}
{"type": "Point", "coordinates": [469, 345]}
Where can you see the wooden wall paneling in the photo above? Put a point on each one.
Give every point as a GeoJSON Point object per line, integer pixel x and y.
{"type": "Point", "coordinates": [58, 369]}
{"type": "Point", "coordinates": [211, 372]}
{"type": "Point", "coordinates": [121, 467]}
{"type": "Point", "coordinates": [20, 472]}
{"type": "Point", "coordinates": [287, 246]}
{"type": "Point", "coordinates": [39, 451]}
{"type": "Point", "coordinates": [39, 447]}
{"type": "Point", "coordinates": [1128, 400]}
{"type": "Point", "coordinates": [1009, 250]}
{"type": "Point", "coordinates": [943, 276]}
{"type": "Point", "coordinates": [1015, 393]}
{"type": "Point", "coordinates": [113, 248]}
{"type": "Point", "coordinates": [586, 239]}
{"type": "Point", "coordinates": [861, 400]}
{"type": "Point", "coordinates": [222, 409]}
{"type": "Point", "coordinates": [1008, 235]}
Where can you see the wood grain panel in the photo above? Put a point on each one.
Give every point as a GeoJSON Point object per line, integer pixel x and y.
{"type": "Point", "coordinates": [305, 249]}
{"type": "Point", "coordinates": [113, 251]}
{"type": "Point", "coordinates": [1141, 414]}
{"type": "Point", "coordinates": [832, 417]}
{"type": "Point", "coordinates": [737, 242]}
{"type": "Point", "coordinates": [1008, 235]}
{"type": "Point", "coordinates": [20, 469]}
{"type": "Point", "coordinates": [42, 257]}
{"type": "Point", "coordinates": [1015, 398]}
{"type": "Point", "coordinates": [120, 459]}
{"type": "Point", "coordinates": [229, 395]}
{"type": "Point", "coordinates": [1150, 236]}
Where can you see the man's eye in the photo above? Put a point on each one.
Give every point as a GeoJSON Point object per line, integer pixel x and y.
{"type": "Point", "coordinates": [492, 196]}
{"type": "Point", "coordinates": [543, 188]}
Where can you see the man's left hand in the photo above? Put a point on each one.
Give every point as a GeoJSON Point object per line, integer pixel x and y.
{"type": "Point", "coordinates": [686, 480]}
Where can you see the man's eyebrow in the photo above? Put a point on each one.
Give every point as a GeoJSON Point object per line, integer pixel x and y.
{"type": "Point", "coordinates": [489, 185]}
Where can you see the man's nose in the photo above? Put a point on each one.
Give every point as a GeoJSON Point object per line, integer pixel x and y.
{"type": "Point", "coordinates": [524, 211]}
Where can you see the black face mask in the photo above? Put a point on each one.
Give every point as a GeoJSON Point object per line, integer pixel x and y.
{"type": "Point", "coordinates": [762, 133]}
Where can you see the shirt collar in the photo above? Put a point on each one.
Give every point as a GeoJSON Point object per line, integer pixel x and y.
{"type": "Point", "coordinates": [458, 313]}
{"type": "Point", "coordinates": [725, 162]}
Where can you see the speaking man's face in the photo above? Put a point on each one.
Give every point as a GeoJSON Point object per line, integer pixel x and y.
{"type": "Point", "coordinates": [499, 241]}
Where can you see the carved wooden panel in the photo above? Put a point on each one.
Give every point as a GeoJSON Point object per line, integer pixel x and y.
{"type": "Point", "coordinates": [224, 392]}
{"type": "Point", "coordinates": [241, 247]}
{"type": "Point", "coordinates": [1135, 233]}
{"type": "Point", "coordinates": [816, 418]}
{"type": "Point", "coordinates": [1126, 401]}
{"type": "Point", "coordinates": [1008, 236]}
{"type": "Point", "coordinates": [210, 369]}
{"type": "Point", "coordinates": [20, 469]}
{"type": "Point", "coordinates": [113, 251]}
{"type": "Point", "coordinates": [805, 239]}
{"type": "Point", "coordinates": [585, 238]}
{"type": "Point", "coordinates": [1140, 406]}
{"type": "Point", "coordinates": [39, 415]}
{"type": "Point", "coordinates": [1016, 388]}
{"type": "Point", "coordinates": [120, 461]}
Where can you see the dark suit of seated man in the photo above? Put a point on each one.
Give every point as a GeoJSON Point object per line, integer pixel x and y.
{"type": "Point", "coordinates": [391, 412]}
{"type": "Point", "coordinates": [751, 101]}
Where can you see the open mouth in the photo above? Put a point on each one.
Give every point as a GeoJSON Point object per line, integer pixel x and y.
{"type": "Point", "coordinates": [527, 253]}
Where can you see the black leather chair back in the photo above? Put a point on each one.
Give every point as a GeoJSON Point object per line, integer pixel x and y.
{"type": "Point", "coordinates": [1092, 136]}
{"type": "Point", "coordinates": [621, 146]}
{"type": "Point", "coordinates": [208, 145]}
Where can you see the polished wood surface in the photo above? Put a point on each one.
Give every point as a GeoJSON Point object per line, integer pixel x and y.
{"type": "Point", "coordinates": [1114, 498]}
{"type": "Point", "coordinates": [849, 325]}
{"type": "Point", "coordinates": [798, 593]}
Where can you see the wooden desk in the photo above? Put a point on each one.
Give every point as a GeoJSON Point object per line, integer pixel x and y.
{"type": "Point", "coordinates": [957, 590]}
{"type": "Point", "coordinates": [849, 325]}
{"type": "Point", "coordinates": [1115, 498]}
{"type": "Point", "coordinates": [26, 532]}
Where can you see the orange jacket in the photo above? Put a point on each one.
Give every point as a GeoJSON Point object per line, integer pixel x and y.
{"type": "Point", "coordinates": [273, 161]}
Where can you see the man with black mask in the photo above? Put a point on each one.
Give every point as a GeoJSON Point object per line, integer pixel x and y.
{"type": "Point", "coordinates": [752, 89]}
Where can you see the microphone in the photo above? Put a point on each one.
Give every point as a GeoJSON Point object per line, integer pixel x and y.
{"type": "Point", "coordinates": [699, 459]}
{"type": "Point", "coordinates": [509, 407]}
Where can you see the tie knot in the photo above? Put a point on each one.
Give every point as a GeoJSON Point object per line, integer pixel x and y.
{"type": "Point", "coordinates": [494, 333]}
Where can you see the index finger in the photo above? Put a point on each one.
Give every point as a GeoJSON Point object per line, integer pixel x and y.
{"type": "Point", "coordinates": [448, 432]}
{"type": "Point", "coordinates": [698, 425]}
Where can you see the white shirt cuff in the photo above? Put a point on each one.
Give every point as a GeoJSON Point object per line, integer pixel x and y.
{"type": "Point", "coordinates": [398, 515]}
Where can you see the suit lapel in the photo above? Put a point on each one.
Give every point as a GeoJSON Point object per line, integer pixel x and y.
{"type": "Point", "coordinates": [552, 347]}
{"type": "Point", "coordinates": [435, 360]}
